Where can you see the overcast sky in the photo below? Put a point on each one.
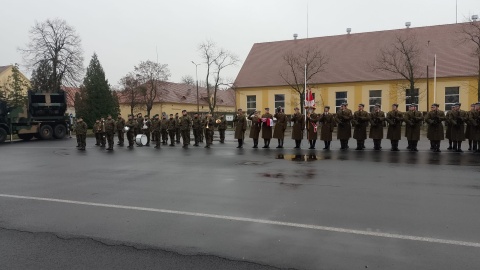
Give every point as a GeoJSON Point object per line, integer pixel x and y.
{"type": "Point", "coordinates": [123, 32]}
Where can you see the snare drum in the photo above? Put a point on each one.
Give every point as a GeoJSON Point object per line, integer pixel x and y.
{"type": "Point", "coordinates": [141, 139]}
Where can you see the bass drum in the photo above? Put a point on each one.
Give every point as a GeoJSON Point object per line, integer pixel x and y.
{"type": "Point", "coordinates": [141, 139]}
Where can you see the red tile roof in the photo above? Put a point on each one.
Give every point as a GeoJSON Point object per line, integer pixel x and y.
{"type": "Point", "coordinates": [350, 56]}
{"type": "Point", "coordinates": [70, 93]}
{"type": "Point", "coordinates": [184, 93]}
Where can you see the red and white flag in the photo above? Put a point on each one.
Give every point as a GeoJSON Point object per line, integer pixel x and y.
{"type": "Point", "coordinates": [309, 100]}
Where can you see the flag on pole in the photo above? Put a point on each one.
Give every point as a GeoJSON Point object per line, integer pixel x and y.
{"type": "Point", "coordinates": [310, 101]}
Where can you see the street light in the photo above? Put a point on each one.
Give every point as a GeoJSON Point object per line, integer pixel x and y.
{"type": "Point", "coordinates": [196, 76]}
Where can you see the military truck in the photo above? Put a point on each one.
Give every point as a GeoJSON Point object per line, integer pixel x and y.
{"type": "Point", "coordinates": [43, 117]}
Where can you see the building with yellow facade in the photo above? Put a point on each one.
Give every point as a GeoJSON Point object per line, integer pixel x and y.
{"type": "Point", "coordinates": [172, 98]}
{"type": "Point", "coordinates": [350, 75]}
{"type": "Point", "coordinates": [6, 73]}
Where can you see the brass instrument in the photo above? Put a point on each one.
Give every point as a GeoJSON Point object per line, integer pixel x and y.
{"type": "Point", "coordinates": [103, 126]}
{"type": "Point", "coordinates": [218, 121]}
{"type": "Point", "coordinates": [144, 124]}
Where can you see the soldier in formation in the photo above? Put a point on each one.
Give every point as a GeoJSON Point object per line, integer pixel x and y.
{"type": "Point", "coordinates": [222, 126]}
{"type": "Point", "coordinates": [197, 128]}
{"type": "Point", "coordinates": [344, 128]}
{"type": "Point", "coordinates": [185, 124]}
{"type": "Point", "coordinates": [394, 133]}
{"type": "Point", "coordinates": [360, 123]}
{"type": "Point", "coordinates": [474, 119]}
{"type": "Point", "coordinates": [240, 126]}
{"type": "Point", "coordinates": [209, 130]}
{"type": "Point", "coordinates": [312, 129]}
{"type": "Point", "coordinates": [377, 119]}
{"type": "Point", "coordinates": [97, 130]}
{"type": "Point", "coordinates": [298, 121]}
{"type": "Point", "coordinates": [81, 132]}
{"type": "Point", "coordinates": [156, 127]}
{"type": "Point", "coordinates": [164, 129]}
{"type": "Point", "coordinates": [280, 126]}
{"type": "Point", "coordinates": [131, 124]}
{"type": "Point", "coordinates": [470, 127]}
{"type": "Point", "coordinates": [177, 130]}
{"type": "Point", "coordinates": [267, 120]}
{"type": "Point", "coordinates": [434, 119]}
{"type": "Point", "coordinates": [172, 129]}
{"type": "Point", "coordinates": [413, 121]}
{"type": "Point", "coordinates": [327, 121]}
{"type": "Point", "coordinates": [456, 121]}
{"type": "Point", "coordinates": [120, 125]}
{"type": "Point", "coordinates": [255, 127]}
{"type": "Point", "coordinates": [109, 131]}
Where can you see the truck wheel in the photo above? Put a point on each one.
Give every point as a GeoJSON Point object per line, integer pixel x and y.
{"type": "Point", "coordinates": [59, 131]}
{"type": "Point", "coordinates": [46, 132]}
{"type": "Point", "coordinates": [25, 137]}
{"type": "Point", "coordinates": [3, 135]}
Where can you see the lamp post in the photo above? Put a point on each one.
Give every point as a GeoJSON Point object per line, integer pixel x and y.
{"type": "Point", "coordinates": [196, 77]}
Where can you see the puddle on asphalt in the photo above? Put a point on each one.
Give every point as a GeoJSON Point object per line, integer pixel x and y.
{"type": "Point", "coordinates": [301, 158]}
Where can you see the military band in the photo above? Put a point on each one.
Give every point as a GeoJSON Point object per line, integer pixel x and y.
{"type": "Point", "coordinates": [462, 125]}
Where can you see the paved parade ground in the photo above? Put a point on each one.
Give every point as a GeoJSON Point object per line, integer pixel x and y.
{"type": "Point", "coordinates": [228, 208]}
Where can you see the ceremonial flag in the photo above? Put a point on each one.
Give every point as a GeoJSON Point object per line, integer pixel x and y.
{"type": "Point", "coordinates": [310, 101]}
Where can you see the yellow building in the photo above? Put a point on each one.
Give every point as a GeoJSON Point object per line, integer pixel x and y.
{"type": "Point", "coordinates": [172, 98]}
{"type": "Point", "coordinates": [350, 75]}
{"type": "Point", "coordinates": [6, 73]}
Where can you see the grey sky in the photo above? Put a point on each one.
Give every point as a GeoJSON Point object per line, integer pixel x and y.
{"type": "Point", "coordinates": [123, 32]}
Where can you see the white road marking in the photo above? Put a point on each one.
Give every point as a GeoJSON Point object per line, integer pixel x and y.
{"type": "Point", "coordinates": [253, 220]}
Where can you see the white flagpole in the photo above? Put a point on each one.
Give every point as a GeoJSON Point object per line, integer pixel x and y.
{"type": "Point", "coordinates": [305, 95]}
{"type": "Point", "coordinates": [435, 80]}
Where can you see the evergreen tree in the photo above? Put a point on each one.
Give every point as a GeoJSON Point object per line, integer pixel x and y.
{"type": "Point", "coordinates": [41, 77]}
{"type": "Point", "coordinates": [98, 100]}
{"type": "Point", "coordinates": [14, 89]}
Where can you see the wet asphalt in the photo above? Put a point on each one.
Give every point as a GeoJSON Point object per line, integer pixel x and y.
{"type": "Point", "coordinates": [424, 194]}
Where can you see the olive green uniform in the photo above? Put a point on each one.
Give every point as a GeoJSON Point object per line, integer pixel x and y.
{"type": "Point", "coordinates": [131, 132]}
{"type": "Point", "coordinates": [240, 127]}
{"type": "Point", "coordinates": [413, 121]}
{"type": "Point", "coordinates": [255, 129]}
{"type": "Point", "coordinates": [474, 119]}
{"type": "Point", "coordinates": [97, 130]}
{"type": "Point", "coordinates": [456, 121]}
{"type": "Point", "coordinates": [377, 119]}
{"type": "Point", "coordinates": [197, 129]}
{"type": "Point", "coordinates": [110, 132]}
{"type": "Point", "coordinates": [394, 131]}
{"type": "Point", "coordinates": [298, 127]}
{"type": "Point", "coordinates": [327, 122]}
{"type": "Point", "coordinates": [360, 120]}
{"type": "Point", "coordinates": [156, 126]}
{"type": "Point", "coordinates": [81, 132]}
{"type": "Point", "coordinates": [120, 124]}
{"type": "Point", "coordinates": [163, 131]}
{"type": "Point", "coordinates": [344, 127]}
{"type": "Point", "coordinates": [435, 133]}
{"type": "Point", "coordinates": [177, 130]}
{"type": "Point", "coordinates": [185, 124]}
{"type": "Point", "coordinates": [209, 127]}
{"type": "Point", "coordinates": [312, 129]}
{"type": "Point", "coordinates": [172, 129]}
{"type": "Point", "coordinates": [266, 130]}
{"type": "Point", "coordinates": [280, 127]}
{"type": "Point", "coordinates": [222, 126]}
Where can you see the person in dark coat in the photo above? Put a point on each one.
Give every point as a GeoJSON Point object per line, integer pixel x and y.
{"type": "Point", "coordinates": [469, 129]}
{"type": "Point", "coordinates": [280, 126]}
{"type": "Point", "coordinates": [474, 119]}
{"type": "Point", "coordinates": [209, 130]}
{"type": "Point", "coordinates": [131, 130]}
{"type": "Point", "coordinates": [413, 121]}
{"type": "Point", "coordinates": [360, 121]}
{"type": "Point", "coordinates": [120, 125]}
{"type": "Point", "coordinates": [448, 129]}
{"type": "Point", "coordinates": [344, 128]}
{"type": "Point", "coordinates": [377, 119]}
{"type": "Point", "coordinates": [394, 132]}
{"type": "Point", "coordinates": [255, 127]}
{"type": "Point", "coordinates": [156, 129]}
{"type": "Point", "coordinates": [185, 123]}
{"type": "Point", "coordinates": [267, 120]}
{"type": "Point", "coordinates": [434, 119]}
{"type": "Point", "coordinates": [240, 126]}
{"type": "Point", "coordinates": [327, 121]}
{"type": "Point", "coordinates": [456, 120]}
{"type": "Point", "coordinates": [298, 121]}
{"type": "Point", "coordinates": [171, 129]}
{"type": "Point", "coordinates": [312, 131]}
{"type": "Point", "coordinates": [81, 133]}
{"type": "Point", "coordinates": [222, 126]}
{"type": "Point", "coordinates": [110, 131]}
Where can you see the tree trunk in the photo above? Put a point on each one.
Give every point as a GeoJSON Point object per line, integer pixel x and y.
{"type": "Point", "coordinates": [302, 101]}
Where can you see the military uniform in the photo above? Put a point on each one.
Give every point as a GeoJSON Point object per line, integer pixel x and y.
{"type": "Point", "coordinates": [120, 134]}
{"type": "Point", "coordinates": [156, 127]}
{"type": "Point", "coordinates": [172, 129]}
{"type": "Point", "coordinates": [97, 130]}
{"type": "Point", "coordinates": [222, 126]}
{"type": "Point", "coordinates": [110, 132]}
{"type": "Point", "coordinates": [177, 130]}
{"type": "Point", "coordinates": [255, 129]}
{"type": "Point", "coordinates": [152, 123]}
{"type": "Point", "coordinates": [394, 131]}
{"type": "Point", "coordinates": [456, 120]}
{"type": "Point", "coordinates": [344, 127]}
{"type": "Point", "coordinates": [185, 124]}
{"type": "Point", "coordinates": [197, 129]}
{"type": "Point", "coordinates": [327, 121]}
{"type": "Point", "coordinates": [435, 128]}
{"type": "Point", "coordinates": [280, 127]}
{"type": "Point", "coordinates": [240, 126]}
{"type": "Point", "coordinates": [266, 130]}
{"type": "Point", "coordinates": [102, 134]}
{"type": "Point", "coordinates": [413, 121]}
{"type": "Point", "coordinates": [312, 129]}
{"type": "Point", "coordinates": [474, 119]}
{"type": "Point", "coordinates": [360, 120]}
{"type": "Point", "coordinates": [138, 128]}
{"type": "Point", "coordinates": [164, 128]}
{"type": "Point", "coordinates": [209, 130]}
{"type": "Point", "coordinates": [448, 130]}
{"type": "Point", "coordinates": [377, 119]}
{"type": "Point", "coordinates": [470, 128]}
{"type": "Point", "coordinates": [298, 121]}
{"type": "Point", "coordinates": [131, 132]}
{"type": "Point", "coordinates": [146, 129]}
{"type": "Point", "coordinates": [81, 132]}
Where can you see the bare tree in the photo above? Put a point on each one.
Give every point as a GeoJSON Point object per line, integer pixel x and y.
{"type": "Point", "coordinates": [311, 59]}
{"type": "Point", "coordinates": [470, 34]}
{"type": "Point", "coordinates": [402, 58]}
{"type": "Point", "coordinates": [187, 79]}
{"type": "Point", "coordinates": [215, 60]}
{"type": "Point", "coordinates": [131, 91]}
{"type": "Point", "coordinates": [151, 76]}
{"type": "Point", "coordinates": [56, 44]}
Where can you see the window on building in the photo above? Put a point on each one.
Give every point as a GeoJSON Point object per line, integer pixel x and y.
{"type": "Point", "coordinates": [411, 96]}
{"type": "Point", "coordinates": [340, 97]}
{"type": "Point", "coordinates": [279, 101]}
{"type": "Point", "coordinates": [251, 104]}
{"type": "Point", "coordinates": [452, 96]}
{"type": "Point", "coordinates": [375, 97]}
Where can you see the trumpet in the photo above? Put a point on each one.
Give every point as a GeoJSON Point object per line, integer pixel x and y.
{"type": "Point", "coordinates": [218, 121]}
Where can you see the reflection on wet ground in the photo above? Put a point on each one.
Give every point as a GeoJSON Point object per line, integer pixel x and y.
{"type": "Point", "coordinates": [465, 159]}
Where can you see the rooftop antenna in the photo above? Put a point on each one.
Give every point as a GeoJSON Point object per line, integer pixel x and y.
{"type": "Point", "coordinates": [295, 36]}
{"type": "Point", "coordinates": [408, 24]}
{"type": "Point", "coordinates": [349, 30]}
{"type": "Point", "coordinates": [474, 18]}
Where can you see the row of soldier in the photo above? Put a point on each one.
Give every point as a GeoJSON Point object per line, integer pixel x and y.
{"type": "Point", "coordinates": [455, 120]}
{"type": "Point", "coordinates": [156, 130]}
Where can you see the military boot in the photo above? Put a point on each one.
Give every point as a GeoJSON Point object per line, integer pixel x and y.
{"type": "Point", "coordinates": [450, 145]}
{"type": "Point", "coordinates": [459, 147]}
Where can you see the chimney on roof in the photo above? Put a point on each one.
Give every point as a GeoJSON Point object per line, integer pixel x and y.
{"type": "Point", "coordinates": [349, 30]}
{"type": "Point", "coordinates": [474, 18]}
{"type": "Point", "coordinates": [408, 24]}
{"type": "Point", "coordinates": [295, 36]}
